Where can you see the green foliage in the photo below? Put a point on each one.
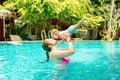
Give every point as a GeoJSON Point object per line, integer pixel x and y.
{"type": "Point", "coordinates": [94, 21]}
{"type": "Point", "coordinates": [6, 31]}
{"type": "Point", "coordinates": [119, 23]}
{"type": "Point", "coordinates": [43, 10]}
{"type": "Point", "coordinates": [103, 34]}
{"type": "Point", "coordinates": [17, 30]}
{"type": "Point", "coordinates": [1, 7]}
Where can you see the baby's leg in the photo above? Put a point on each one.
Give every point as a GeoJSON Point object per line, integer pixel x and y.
{"type": "Point", "coordinates": [71, 30]}
{"type": "Point", "coordinates": [79, 23]}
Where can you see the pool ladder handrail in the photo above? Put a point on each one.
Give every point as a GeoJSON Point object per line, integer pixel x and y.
{"type": "Point", "coordinates": [43, 34]}
{"type": "Point", "coordinates": [49, 34]}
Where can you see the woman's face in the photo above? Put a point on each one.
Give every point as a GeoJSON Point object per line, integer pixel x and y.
{"type": "Point", "coordinates": [51, 41]}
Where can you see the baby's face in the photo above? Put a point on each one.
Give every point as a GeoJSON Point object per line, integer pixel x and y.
{"type": "Point", "coordinates": [55, 35]}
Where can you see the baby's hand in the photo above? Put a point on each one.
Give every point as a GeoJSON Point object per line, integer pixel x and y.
{"type": "Point", "coordinates": [61, 41]}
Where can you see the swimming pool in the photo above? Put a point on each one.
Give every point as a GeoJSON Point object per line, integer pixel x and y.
{"type": "Point", "coordinates": [93, 60]}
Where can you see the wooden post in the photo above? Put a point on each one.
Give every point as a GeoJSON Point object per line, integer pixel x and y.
{"type": "Point", "coordinates": [2, 29]}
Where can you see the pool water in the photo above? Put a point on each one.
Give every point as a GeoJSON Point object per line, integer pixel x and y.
{"type": "Point", "coordinates": [93, 60]}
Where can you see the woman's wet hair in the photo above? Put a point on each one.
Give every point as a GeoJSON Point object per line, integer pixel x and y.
{"type": "Point", "coordinates": [45, 46]}
{"type": "Point", "coordinates": [47, 49]}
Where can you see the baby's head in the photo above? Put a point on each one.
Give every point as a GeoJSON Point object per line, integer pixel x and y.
{"type": "Point", "coordinates": [54, 33]}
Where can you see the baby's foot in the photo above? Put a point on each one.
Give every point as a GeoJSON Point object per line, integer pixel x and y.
{"type": "Point", "coordinates": [84, 20]}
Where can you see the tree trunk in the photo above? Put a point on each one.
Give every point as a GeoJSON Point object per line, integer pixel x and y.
{"type": "Point", "coordinates": [109, 36]}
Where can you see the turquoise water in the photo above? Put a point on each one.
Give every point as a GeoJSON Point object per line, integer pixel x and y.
{"type": "Point", "coordinates": [93, 60]}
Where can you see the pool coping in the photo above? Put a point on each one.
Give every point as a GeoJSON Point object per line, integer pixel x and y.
{"type": "Point", "coordinates": [59, 40]}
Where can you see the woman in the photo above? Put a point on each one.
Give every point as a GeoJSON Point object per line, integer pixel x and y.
{"type": "Point", "coordinates": [55, 54]}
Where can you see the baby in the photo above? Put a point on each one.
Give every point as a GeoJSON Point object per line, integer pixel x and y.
{"type": "Point", "coordinates": [55, 34]}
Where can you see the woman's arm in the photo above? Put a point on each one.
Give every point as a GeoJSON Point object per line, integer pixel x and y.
{"type": "Point", "coordinates": [60, 53]}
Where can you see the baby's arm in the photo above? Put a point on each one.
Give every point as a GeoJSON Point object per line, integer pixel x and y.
{"type": "Point", "coordinates": [61, 41]}
{"type": "Point", "coordinates": [62, 37]}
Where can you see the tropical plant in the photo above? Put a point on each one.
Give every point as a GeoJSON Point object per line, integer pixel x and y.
{"type": "Point", "coordinates": [40, 13]}
{"type": "Point", "coordinates": [110, 12]}
{"type": "Point", "coordinates": [36, 11]}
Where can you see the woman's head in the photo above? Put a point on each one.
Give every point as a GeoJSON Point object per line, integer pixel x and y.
{"type": "Point", "coordinates": [47, 44]}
